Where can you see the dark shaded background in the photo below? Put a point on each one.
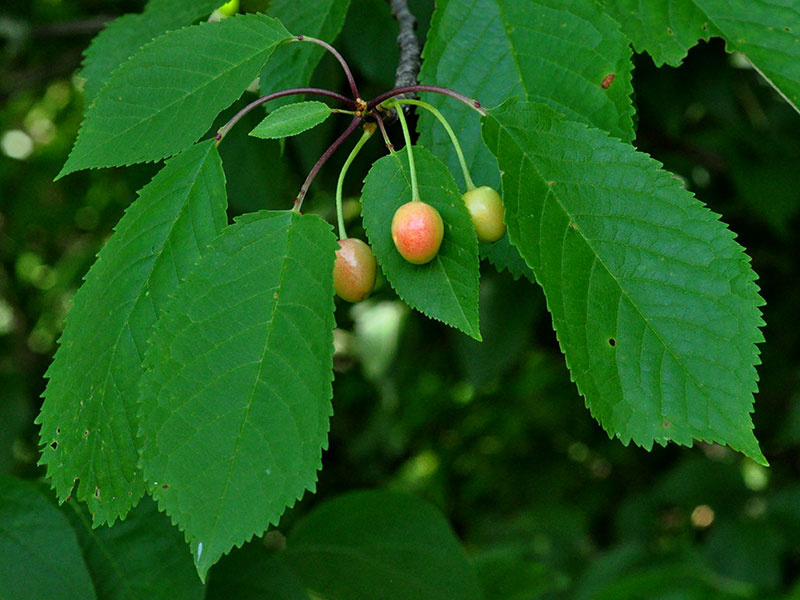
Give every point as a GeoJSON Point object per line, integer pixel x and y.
{"type": "Point", "coordinates": [494, 434]}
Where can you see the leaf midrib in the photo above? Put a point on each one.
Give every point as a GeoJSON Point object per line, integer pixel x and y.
{"type": "Point", "coordinates": [103, 93]}
{"type": "Point", "coordinates": [622, 290]}
{"type": "Point", "coordinates": [268, 335]}
{"type": "Point", "coordinates": [96, 439]}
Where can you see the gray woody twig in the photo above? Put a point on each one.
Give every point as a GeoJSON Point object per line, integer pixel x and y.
{"type": "Point", "coordinates": [409, 64]}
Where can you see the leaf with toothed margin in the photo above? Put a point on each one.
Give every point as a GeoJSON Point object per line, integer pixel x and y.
{"type": "Point", "coordinates": [88, 418]}
{"type": "Point", "coordinates": [766, 31]}
{"type": "Point", "coordinates": [654, 304]}
{"type": "Point", "coordinates": [124, 36]}
{"type": "Point", "coordinates": [235, 402]}
{"type": "Point", "coordinates": [506, 257]}
{"type": "Point", "coordinates": [294, 64]}
{"type": "Point", "coordinates": [167, 95]}
{"type": "Point", "coordinates": [665, 30]}
{"type": "Point", "coordinates": [551, 51]}
{"type": "Point", "coordinates": [445, 289]}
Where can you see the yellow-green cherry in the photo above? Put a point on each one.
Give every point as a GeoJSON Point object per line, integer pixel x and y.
{"type": "Point", "coordinates": [417, 232]}
{"type": "Point", "coordinates": [229, 8]}
{"type": "Point", "coordinates": [487, 211]}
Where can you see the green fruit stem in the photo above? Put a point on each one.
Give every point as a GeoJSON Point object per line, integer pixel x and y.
{"type": "Point", "coordinates": [471, 102]}
{"type": "Point", "coordinates": [368, 131]}
{"type": "Point", "coordinates": [407, 137]}
{"type": "Point", "coordinates": [467, 179]}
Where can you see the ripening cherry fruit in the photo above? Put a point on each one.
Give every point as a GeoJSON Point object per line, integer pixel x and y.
{"type": "Point", "coordinates": [229, 8]}
{"type": "Point", "coordinates": [487, 211]}
{"type": "Point", "coordinates": [417, 231]}
{"type": "Point", "coordinates": [354, 270]}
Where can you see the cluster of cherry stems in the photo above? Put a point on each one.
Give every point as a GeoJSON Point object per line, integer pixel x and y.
{"type": "Point", "coordinates": [417, 227]}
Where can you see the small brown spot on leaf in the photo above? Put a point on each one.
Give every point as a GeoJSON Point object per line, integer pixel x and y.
{"type": "Point", "coordinates": [607, 81]}
{"type": "Point", "coordinates": [667, 423]}
{"type": "Point", "coordinates": [551, 183]}
{"type": "Point", "coordinates": [165, 486]}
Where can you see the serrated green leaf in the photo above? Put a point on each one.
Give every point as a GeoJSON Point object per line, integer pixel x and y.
{"type": "Point", "coordinates": [553, 51]}
{"type": "Point", "coordinates": [127, 34]}
{"type": "Point", "coordinates": [292, 119]}
{"type": "Point", "coordinates": [236, 400]}
{"type": "Point", "coordinates": [380, 544]}
{"type": "Point", "coordinates": [654, 303]}
{"type": "Point", "coordinates": [166, 96]}
{"type": "Point", "coordinates": [88, 419]}
{"type": "Point", "coordinates": [41, 557]}
{"type": "Point", "coordinates": [294, 64]}
{"type": "Point", "coordinates": [143, 556]}
{"type": "Point", "coordinates": [766, 31]}
{"type": "Point", "coordinates": [666, 30]}
{"type": "Point", "coordinates": [445, 289]}
{"type": "Point", "coordinates": [506, 257]}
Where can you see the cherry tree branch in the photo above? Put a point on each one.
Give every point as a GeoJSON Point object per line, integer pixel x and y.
{"type": "Point", "coordinates": [409, 63]}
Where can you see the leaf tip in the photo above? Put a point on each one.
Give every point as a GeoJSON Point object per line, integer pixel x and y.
{"type": "Point", "coordinates": [202, 565]}
{"type": "Point", "coordinates": [65, 170]}
{"type": "Point", "coordinates": [754, 453]}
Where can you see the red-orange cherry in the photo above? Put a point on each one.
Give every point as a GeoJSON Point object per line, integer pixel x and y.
{"type": "Point", "coordinates": [487, 211]}
{"type": "Point", "coordinates": [417, 231]}
{"type": "Point", "coordinates": [354, 270]}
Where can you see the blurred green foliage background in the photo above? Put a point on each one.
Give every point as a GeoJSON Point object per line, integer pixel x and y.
{"type": "Point", "coordinates": [494, 434]}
